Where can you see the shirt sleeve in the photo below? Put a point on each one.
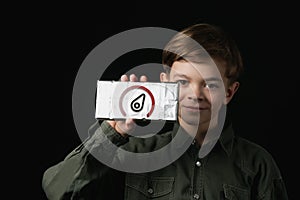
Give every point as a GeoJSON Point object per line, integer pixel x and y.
{"type": "Point", "coordinates": [270, 184]}
{"type": "Point", "coordinates": [276, 191]}
{"type": "Point", "coordinates": [80, 168]}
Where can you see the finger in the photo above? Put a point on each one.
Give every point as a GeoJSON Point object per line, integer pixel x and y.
{"type": "Point", "coordinates": [112, 123]}
{"type": "Point", "coordinates": [130, 124]}
{"type": "Point", "coordinates": [143, 78]}
{"type": "Point", "coordinates": [125, 127]}
{"type": "Point", "coordinates": [129, 121]}
{"type": "Point", "coordinates": [133, 77]}
{"type": "Point", "coordinates": [124, 77]}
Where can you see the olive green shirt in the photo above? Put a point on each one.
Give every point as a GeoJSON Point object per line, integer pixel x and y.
{"type": "Point", "coordinates": [235, 169]}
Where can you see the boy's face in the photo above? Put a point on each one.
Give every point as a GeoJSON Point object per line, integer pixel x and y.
{"type": "Point", "coordinates": [202, 90]}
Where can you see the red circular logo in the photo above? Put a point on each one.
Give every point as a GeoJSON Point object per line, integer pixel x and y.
{"type": "Point", "coordinates": [132, 88]}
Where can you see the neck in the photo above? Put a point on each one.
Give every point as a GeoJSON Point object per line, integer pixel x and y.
{"type": "Point", "coordinates": [198, 131]}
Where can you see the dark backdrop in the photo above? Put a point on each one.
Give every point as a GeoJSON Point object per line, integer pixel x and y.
{"type": "Point", "coordinates": [263, 106]}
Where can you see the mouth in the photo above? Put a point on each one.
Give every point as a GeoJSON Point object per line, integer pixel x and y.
{"type": "Point", "coordinates": [195, 108]}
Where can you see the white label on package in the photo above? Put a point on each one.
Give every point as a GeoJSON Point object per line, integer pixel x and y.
{"type": "Point", "coordinates": [137, 100]}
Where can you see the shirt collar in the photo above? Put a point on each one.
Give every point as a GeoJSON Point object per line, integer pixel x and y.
{"type": "Point", "coordinates": [226, 139]}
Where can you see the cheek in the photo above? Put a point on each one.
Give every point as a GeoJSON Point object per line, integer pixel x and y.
{"type": "Point", "coordinates": [217, 99]}
{"type": "Point", "coordinates": [183, 93]}
{"type": "Point", "coordinates": [181, 96]}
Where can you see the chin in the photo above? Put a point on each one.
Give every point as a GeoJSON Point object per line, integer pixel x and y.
{"type": "Point", "coordinates": [194, 122]}
{"type": "Point", "coordinates": [191, 120]}
{"type": "Point", "coordinates": [194, 119]}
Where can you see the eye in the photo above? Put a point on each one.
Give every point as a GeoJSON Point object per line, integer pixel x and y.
{"type": "Point", "coordinates": [182, 82]}
{"type": "Point", "coordinates": [212, 86]}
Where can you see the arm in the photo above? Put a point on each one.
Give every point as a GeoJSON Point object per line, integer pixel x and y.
{"type": "Point", "coordinates": [269, 183]}
{"type": "Point", "coordinates": [79, 170]}
{"type": "Point", "coordinates": [81, 174]}
{"type": "Point", "coordinates": [276, 191]}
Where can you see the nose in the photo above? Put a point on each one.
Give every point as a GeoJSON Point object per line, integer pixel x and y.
{"type": "Point", "coordinates": [196, 92]}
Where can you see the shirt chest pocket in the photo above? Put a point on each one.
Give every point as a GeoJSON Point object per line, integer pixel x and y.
{"type": "Point", "coordinates": [143, 187]}
{"type": "Point", "coordinates": [235, 193]}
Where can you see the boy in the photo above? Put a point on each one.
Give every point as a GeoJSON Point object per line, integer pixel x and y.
{"type": "Point", "coordinates": [213, 166]}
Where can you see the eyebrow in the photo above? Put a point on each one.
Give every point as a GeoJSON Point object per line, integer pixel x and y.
{"type": "Point", "coordinates": [206, 80]}
{"type": "Point", "coordinates": [181, 75]}
{"type": "Point", "coordinates": [213, 79]}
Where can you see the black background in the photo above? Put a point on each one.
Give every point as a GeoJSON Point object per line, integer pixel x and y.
{"type": "Point", "coordinates": [264, 106]}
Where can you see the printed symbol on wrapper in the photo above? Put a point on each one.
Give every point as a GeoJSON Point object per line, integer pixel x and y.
{"type": "Point", "coordinates": [137, 104]}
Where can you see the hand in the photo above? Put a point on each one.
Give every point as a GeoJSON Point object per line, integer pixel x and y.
{"type": "Point", "coordinates": [126, 126]}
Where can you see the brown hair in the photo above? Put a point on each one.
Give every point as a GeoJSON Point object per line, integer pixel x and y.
{"type": "Point", "coordinates": [213, 39]}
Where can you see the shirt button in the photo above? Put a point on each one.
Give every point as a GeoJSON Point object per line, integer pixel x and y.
{"type": "Point", "coordinates": [196, 196]}
{"type": "Point", "coordinates": [150, 191]}
{"type": "Point", "coordinates": [198, 163]}
{"type": "Point", "coordinates": [194, 141]}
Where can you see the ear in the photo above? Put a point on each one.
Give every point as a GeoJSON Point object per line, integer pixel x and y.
{"type": "Point", "coordinates": [231, 90]}
{"type": "Point", "coordinates": [164, 77]}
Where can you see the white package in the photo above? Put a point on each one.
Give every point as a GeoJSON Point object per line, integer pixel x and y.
{"type": "Point", "coordinates": [137, 100]}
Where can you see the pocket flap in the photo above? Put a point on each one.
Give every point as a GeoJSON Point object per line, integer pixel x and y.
{"type": "Point", "coordinates": [150, 186]}
{"type": "Point", "coordinates": [235, 192]}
